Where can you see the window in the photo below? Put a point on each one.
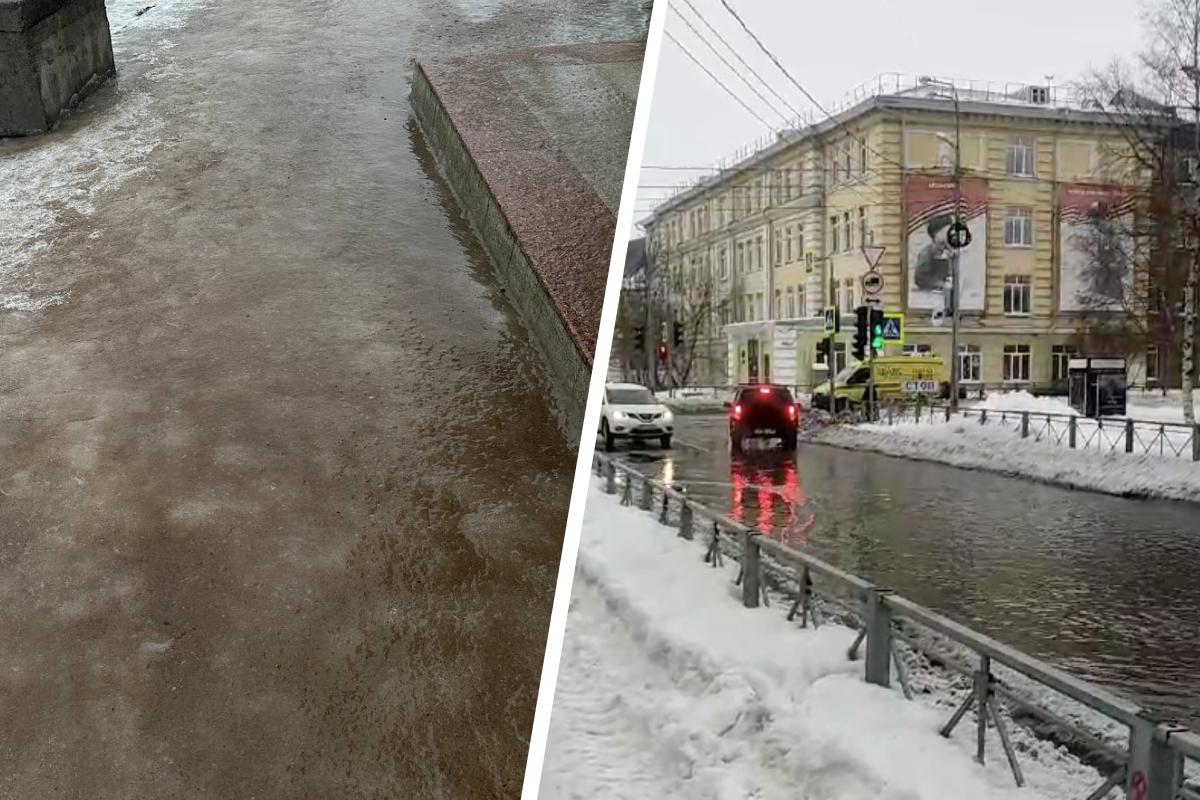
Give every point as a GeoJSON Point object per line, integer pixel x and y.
{"type": "Point", "coordinates": [837, 297]}
{"type": "Point", "coordinates": [758, 253]}
{"type": "Point", "coordinates": [800, 248]}
{"type": "Point", "coordinates": [791, 303]}
{"type": "Point", "coordinates": [839, 357]}
{"type": "Point", "coordinates": [916, 349]}
{"type": "Point", "coordinates": [760, 306]}
{"type": "Point", "coordinates": [787, 184]}
{"type": "Point", "coordinates": [1018, 291]}
{"type": "Point", "coordinates": [833, 234]}
{"type": "Point", "coordinates": [862, 226]}
{"type": "Point", "coordinates": [970, 363]}
{"type": "Point", "coordinates": [846, 158]}
{"type": "Point", "coordinates": [1018, 227]}
{"type": "Point", "coordinates": [1060, 357]}
{"type": "Point", "coordinates": [723, 263]}
{"type": "Point", "coordinates": [1016, 363]}
{"type": "Point", "coordinates": [1152, 364]}
{"type": "Point", "coordinates": [778, 247]}
{"type": "Point", "coordinates": [788, 238]}
{"type": "Point", "coordinates": [741, 258]}
{"type": "Point", "coordinates": [801, 308]}
{"type": "Point", "coordinates": [849, 283]}
{"type": "Point", "coordinates": [862, 156]}
{"type": "Point", "coordinates": [778, 304]}
{"type": "Point", "coordinates": [846, 238]}
{"type": "Point", "coordinates": [1018, 159]}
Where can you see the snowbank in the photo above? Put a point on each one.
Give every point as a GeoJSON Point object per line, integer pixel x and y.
{"type": "Point", "coordinates": [669, 688]}
{"type": "Point", "coordinates": [999, 448]}
{"type": "Point", "coordinates": [1023, 401]}
{"type": "Point", "coordinates": [697, 401]}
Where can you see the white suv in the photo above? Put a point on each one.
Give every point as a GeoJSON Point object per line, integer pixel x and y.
{"type": "Point", "coordinates": [632, 412]}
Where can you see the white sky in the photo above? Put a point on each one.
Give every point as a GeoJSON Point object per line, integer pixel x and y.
{"type": "Point", "coordinates": [831, 47]}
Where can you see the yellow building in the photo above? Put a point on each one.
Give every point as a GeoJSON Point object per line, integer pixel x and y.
{"type": "Point", "coordinates": [781, 234]}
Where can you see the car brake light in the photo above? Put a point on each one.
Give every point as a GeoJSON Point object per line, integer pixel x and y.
{"type": "Point", "coordinates": [764, 390]}
{"type": "Point", "coordinates": [737, 411]}
{"type": "Point", "coordinates": [792, 411]}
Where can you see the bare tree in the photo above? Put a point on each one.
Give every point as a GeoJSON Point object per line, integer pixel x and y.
{"type": "Point", "coordinates": [1155, 306]}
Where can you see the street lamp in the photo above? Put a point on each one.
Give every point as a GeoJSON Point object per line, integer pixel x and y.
{"type": "Point", "coordinates": [956, 300]}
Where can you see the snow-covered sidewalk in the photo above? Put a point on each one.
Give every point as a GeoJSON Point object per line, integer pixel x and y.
{"type": "Point", "coordinates": [669, 688]}
{"type": "Point", "coordinates": [1160, 466]}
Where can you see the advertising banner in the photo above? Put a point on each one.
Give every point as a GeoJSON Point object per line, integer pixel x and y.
{"type": "Point", "coordinates": [1096, 246]}
{"type": "Point", "coordinates": [929, 201]}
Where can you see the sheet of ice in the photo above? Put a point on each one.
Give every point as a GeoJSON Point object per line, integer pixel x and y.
{"type": "Point", "coordinates": [46, 179]}
{"type": "Point", "coordinates": [669, 688]}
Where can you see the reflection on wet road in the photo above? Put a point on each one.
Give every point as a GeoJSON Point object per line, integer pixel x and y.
{"type": "Point", "coordinates": [1101, 585]}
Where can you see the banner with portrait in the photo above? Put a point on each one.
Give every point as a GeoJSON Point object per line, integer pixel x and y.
{"type": "Point", "coordinates": [929, 204]}
{"type": "Point", "coordinates": [1096, 247]}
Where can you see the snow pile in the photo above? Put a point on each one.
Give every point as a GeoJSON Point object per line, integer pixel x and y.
{"type": "Point", "coordinates": [695, 400]}
{"type": "Point", "coordinates": [997, 447]}
{"type": "Point", "coordinates": [1022, 400]}
{"type": "Point", "coordinates": [669, 688]}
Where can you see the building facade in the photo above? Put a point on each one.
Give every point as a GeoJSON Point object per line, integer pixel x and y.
{"type": "Point", "coordinates": [788, 231]}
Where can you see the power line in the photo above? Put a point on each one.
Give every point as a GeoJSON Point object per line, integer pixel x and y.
{"type": "Point", "coordinates": [716, 80]}
{"type": "Point", "coordinates": [731, 68]}
{"type": "Point", "coordinates": [738, 56]}
{"type": "Point", "coordinates": [796, 83]}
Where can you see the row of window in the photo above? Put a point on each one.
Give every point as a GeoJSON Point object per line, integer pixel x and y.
{"type": "Point", "coordinates": [783, 185]}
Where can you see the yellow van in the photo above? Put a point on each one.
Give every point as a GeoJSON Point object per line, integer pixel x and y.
{"type": "Point", "coordinates": [896, 378]}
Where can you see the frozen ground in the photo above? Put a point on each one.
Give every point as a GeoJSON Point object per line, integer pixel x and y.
{"type": "Point", "coordinates": [668, 688]}
{"type": "Point", "coordinates": [56, 178]}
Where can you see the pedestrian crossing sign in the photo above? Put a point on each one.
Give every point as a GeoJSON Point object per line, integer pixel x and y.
{"type": "Point", "coordinates": [893, 328]}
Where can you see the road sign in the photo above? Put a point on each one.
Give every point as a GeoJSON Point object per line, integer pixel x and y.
{"type": "Point", "coordinates": [959, 235]}
{"type": "Point", "coordinates": [872, 282]}
{"type": "Point", "coordinates": [921, 387]}
{"type": "Point", "coordinates": [832, 319]}
{"type": "Point", "coordinates": [873, 254]}
{"type": "Point", "coordinates": [893, 328]}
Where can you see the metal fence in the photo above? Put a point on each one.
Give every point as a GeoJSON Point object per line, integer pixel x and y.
{"type": "Point", "coordinates": [1150, 761]}
{"type": "Point", "coordinates": [1115, 435]}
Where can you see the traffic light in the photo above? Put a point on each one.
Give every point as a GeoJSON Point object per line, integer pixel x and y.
{"type": "Point", "coordinates": [861, 320]}
{"type": "Point", "coordinates": [877, 341]}
{"type": "Point", "coordinates": [639, 339]}
{"type": "Point", "coordinates": [677, 334]}
{"type": "Point", "coordinates": [823, 351]}
{"type": "Point", "coordinates": [662, 352]}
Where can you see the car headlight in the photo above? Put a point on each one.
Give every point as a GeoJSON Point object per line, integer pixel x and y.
{"type": "Point", "coordinates": [620, 416]}
{"type": "Point", "coordinates": [668, 416]}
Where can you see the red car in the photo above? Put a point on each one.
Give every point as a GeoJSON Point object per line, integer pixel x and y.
{"type": "Point", "coordinates": [763, 411]}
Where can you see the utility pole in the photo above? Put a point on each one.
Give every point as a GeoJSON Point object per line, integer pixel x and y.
{"type": "Point", "coordinates": [1189, 290]}
{"type": "Point", "coordinates": [652, 251]}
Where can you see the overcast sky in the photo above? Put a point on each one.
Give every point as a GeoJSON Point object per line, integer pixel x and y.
{"type": "Point", "coordinates": [831, 47]}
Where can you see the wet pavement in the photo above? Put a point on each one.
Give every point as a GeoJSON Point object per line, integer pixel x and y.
{"type": "Point", "coordinates": [282, 496]}
{"type": "Point", "coordinates": [1103, 586]}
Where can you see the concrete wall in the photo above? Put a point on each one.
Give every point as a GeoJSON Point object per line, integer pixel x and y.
{"type": "Point", "coordinates": [52, 54]}
{"type": "Point", "coordinates": [569, 372]}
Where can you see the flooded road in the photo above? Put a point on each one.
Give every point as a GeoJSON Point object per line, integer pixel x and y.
{"type": "Point", "coordinates": [282, 496]}
{"type": "Point", "coordinates": [1100, 585]}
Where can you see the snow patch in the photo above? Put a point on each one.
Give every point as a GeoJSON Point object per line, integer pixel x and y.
{"type": "Point", "coordinates": [23, 302]}
{"type": "Point", "coordinates": [669, 688]}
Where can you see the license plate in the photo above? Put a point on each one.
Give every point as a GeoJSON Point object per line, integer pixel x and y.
{"type": "Point", "coordinates": [921, 387]}
{"type": "Point", "coordinates": [764, 431]}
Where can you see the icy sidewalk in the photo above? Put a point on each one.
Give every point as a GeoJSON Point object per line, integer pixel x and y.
{"type": "Point", "coordinates": [669, 688]}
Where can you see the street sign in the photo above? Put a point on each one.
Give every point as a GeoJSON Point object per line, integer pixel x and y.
{"type": "Point", "coordinates": [893, 328]}
{"type": "Point", "coordinates": [872, 282]}
{"type": "Point", "coordinates": [873, 254]}
{"type": "Point", "coordinates": [959, 235]}
{"type": "Point", "coordinates": [921, 387]}
{"type": "Point", "coordinates": [832, 319]}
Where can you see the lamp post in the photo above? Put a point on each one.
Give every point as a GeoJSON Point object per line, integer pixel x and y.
{"type": "Point", "coordinates": [955, 302]}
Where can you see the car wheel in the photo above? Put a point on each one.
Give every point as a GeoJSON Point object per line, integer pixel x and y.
{"type": "Point", "coordinates": [610, 441]}
{"type": "Point", "coordinates": [666, 442]}
{"type": "Point", "coordinates": [789, 442]}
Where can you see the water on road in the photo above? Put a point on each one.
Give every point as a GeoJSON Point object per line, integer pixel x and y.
{"type": "Point", "coordinates": [1101, 585]}
{"type": "Point", "coordinates": [282, 496]}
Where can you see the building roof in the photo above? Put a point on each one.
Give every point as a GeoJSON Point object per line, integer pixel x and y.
{"type": "Point", "coordinates": [896, 92]}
